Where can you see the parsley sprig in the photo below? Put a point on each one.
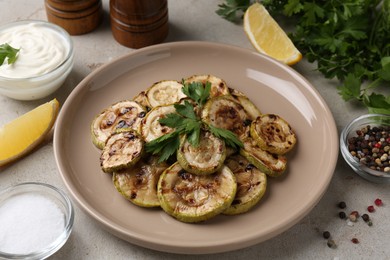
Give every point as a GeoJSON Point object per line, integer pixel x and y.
{"type": "Point", "coordinates": [233, 10]}
{"type": "Point", "coordinates": [185, 121]}
{"type": "Point", "coordinates": [7, 51]}
{"type": "Point", "coordinates": [348, 40]}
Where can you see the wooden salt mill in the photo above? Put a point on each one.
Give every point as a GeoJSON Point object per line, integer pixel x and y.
{"type": "Point", "coordinates": [75, 16]}
{"type": "Point", "coordinates": [139, 23]}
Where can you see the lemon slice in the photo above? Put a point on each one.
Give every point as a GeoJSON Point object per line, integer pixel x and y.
{"type": "Point", "coordinates": [267, 37]}
{"type": "Point", "coordinates": [24, 133]}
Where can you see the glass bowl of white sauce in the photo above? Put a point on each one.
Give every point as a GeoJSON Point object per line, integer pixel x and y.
{"type": "Point", "coordinates": [36, 220]}
{"type": "Point", "coordinates": [43, 62]}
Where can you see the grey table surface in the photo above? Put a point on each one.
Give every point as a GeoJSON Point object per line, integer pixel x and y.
{"type": "Point", "coordinates": [196, 20]}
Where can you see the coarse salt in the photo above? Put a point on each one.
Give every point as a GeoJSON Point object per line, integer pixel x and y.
{"type": "Point", "coordinates": [29, 223]}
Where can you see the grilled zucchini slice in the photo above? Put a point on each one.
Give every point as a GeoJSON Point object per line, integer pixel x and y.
{"type": "Point", "coordinates": [226, 113]}
{"type": "Point", "coordinates": [251, 185]}
{"type": "Point", "coordinates": [123, 114]}
{"type": "Point", "coordinates": [271, 164]}
{"type": "Point", "coordinates": [218, 85]}
{"type": "Point", "coordinates": [273, 134]}
{"type": "Point", "coordinates": [206, 158]}
{"type": "Point", "coordinates": [194, 198]}
{"type": "Point", "coordinates": [142, 100]}
{"type": "Point", "coordinates": [123, 149]}
{"type": "Point", "coordinates": [139, 183]}
{"type": "Point", "coordinates": [250, 108]}
{"type": "Point", "coordinates": [151, 127]}
{"type": "Point", "coordinates": [165, 92]}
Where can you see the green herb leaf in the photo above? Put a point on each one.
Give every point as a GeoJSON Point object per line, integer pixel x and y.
{"type": "Point", "coordinates": [229, 137]}
{"type": "Point", "coordinates": [351, 87]}
{"type": "Point", "coordinates": [171, 120]}
{"type": "Point", "coordinates": [193, 136]}
{"type": "Point", "coordinates": [6, 51]}
{"type": "Point", "coordinates": [186, 110]}
{"type": "Point", "coordinates": [197, 91]}
{"type": "Point", "coordinates": [232, 10]}
{"type": "Point", "coordinates": [165, 146]}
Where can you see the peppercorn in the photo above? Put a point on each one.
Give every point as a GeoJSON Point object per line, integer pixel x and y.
{"type": "Point", "coordinates": [326, 234]}
{"type": "Point", "coordinates": [353, 216]}
{"type": "Point", "coordinates": [331, 243]}
{"type": "Point", "coordinates": [370, 209]}
{"type": "Point", "coordinates": [371, 147]}
{"type": "Point", "coordinates": [342, 215]}
{"type": "Point", "coordinates": [378, 202]}
{"type": "Point", "coordinates": [365, 217]}
{"type": "Point", "coordinates": [355, 240]}
{"type": "Point", "coordinates": [342, 205]}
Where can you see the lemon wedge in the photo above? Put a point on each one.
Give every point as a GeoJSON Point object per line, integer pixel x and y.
{"type": "Point", "coordinates": [268, 37]}
{"type": "Point", "coordinates": [24, 133]}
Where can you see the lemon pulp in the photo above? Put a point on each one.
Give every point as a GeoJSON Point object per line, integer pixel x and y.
{"type": "Point", "coordinates": [268, 37]}
{"type": "Point", "coordinates": [24, 133]}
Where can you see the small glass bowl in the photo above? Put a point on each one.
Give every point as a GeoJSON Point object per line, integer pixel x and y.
{"type": "Point", "coordinates": [52, 197]}
{"type": "Point", "coordinates": [350, 131]}
{"type": "Point", "coordinates": [40, 86]}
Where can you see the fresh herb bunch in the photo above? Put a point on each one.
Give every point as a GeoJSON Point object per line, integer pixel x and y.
{"type": "Point", "coordinates": [6, 51]}
{"type": "Point", "coordinates": [349, 40]}
{"type": "Point", "coordinates": [186, 122]}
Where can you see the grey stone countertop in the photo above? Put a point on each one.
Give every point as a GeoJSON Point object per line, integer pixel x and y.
{"type": "Point", "coordinates": [196, 20]}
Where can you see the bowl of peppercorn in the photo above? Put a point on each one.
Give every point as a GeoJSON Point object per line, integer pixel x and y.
{"type": "Point", "coordinates": [365, 146]}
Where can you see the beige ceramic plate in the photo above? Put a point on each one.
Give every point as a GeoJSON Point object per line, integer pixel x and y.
{"type": "Point", "coordinates": [273, 87]}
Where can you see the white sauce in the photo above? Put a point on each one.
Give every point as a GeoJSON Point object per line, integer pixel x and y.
{"type": "Point", "coordinates": [42, 49]}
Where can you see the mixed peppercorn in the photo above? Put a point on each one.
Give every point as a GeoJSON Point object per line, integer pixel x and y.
{"type": "Point", "coordinates": [371, 147]}
{"type": "Point", "coordinates": [352, 217]}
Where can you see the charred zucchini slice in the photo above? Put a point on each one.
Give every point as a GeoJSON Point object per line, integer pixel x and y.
{"type": "Point", "coordinates": [139, 183]}
{"type": "Point", "coordinates": [218, 85]}
{"type": "Point", "coordinates": [250, 108]}
{"type": "Point", "coordinates": [123, 114]}
{"type": "Point", "coordinates": [165, 92]}
{"type": "Point", "coordinates": [123, 149]}
{"type": "Point", "coordinates": [194, 198]}
{"type": "Point", "coordinates": [206, 158]}
{"type": "Point", "coordinates": [142, 100]}
{"type": "Point", "coordinates": [226, 113]}
{"type": "Point", "coordinates": [271, 164]}
{"type": "Point", "coordinates": [151, 127]}
{"type": "Point", "coordinates": [272, 133]}
{"type": "Point", "coordinates": [251, 185]}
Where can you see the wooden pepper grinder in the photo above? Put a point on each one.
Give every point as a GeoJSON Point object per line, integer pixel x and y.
{"type": "Point", "coordinates": [75, 16]}
{"type": "Point", "coordinates": [139, 23]}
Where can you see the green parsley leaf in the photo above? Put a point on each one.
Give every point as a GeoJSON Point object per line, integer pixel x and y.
{"type": "Point", "coordinates": [351, 87]}
{"type": "Point", "coordinates": [229, 137]}
{"type": "Point", "coordinates": [377, 103]}
{"type": "Point", "coordinates": [186, 110]}
{"type": "Point", "coordinates": [6, 51]}
{"type": "Point", "coordinates": [193, 136]}
{"type": "Point", "coordinates": [165, 146]}
{"type": "Point", "coordinates": [171, 120]}
{"type": "Point", "coordinates": [232, 10]}
{"type": "Point", "coordinates": [197, 91]}
{"type": "Point", "coordinates": [292, 7]}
